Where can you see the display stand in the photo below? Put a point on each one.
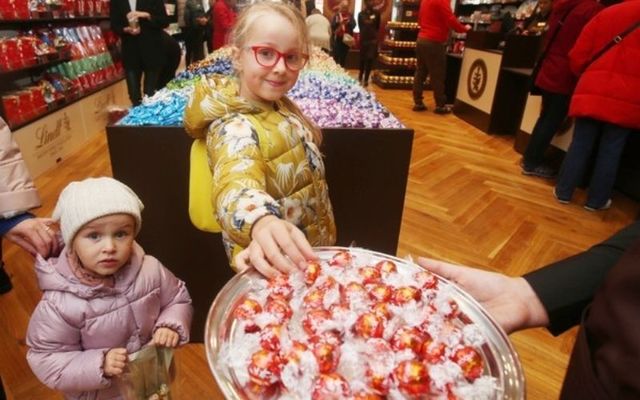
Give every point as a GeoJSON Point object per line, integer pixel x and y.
{"type": "Point", "coordinates": [397, 65]}
{"type": "Point", "coordinates": [493, 86]}
{"type": "Point", "coordinates": [366, 170]}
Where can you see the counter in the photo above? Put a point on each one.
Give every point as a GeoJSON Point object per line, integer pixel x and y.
{"type": "Point", "coordinates": [493, 85]}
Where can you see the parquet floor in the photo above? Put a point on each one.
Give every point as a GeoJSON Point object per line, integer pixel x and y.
{"type": "Point", "coordinates": [466, 203]}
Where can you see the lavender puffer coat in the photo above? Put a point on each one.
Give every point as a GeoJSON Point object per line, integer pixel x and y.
{"type": "Point", "coordinates": [74, 325]}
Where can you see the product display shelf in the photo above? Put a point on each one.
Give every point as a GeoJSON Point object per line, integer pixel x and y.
{"type": "Point", "coordinates": [7, 23]}
{"type": "Point", "coordinates": [40, 65]}
{"type": "Point", "coordinates": [55, 106]}
{"type": "Point", "coordinates": [15, 79]}
{"type": "Point", "coordinates": [366, 187]}
{"type": "Point", "coordinates": [397, 66]}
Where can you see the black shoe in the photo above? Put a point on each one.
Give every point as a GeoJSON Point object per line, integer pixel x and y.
{"type": "Point", "coordinates": [5, 281]}
{"type": "Point", "coordinates": [541, 171]}
{"type": "Point", "coordinates": [442, 110]}
{"type": "Point", "coordinates": [419, 107]}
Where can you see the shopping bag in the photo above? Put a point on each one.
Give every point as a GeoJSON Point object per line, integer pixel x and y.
{"type": "Point", "coordinates": [147, 375]}
{"type": "Point", "coordinates": [348, 40]}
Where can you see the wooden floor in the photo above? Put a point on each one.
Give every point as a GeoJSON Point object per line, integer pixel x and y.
{"type": "Point", "coordinates": [466, 203]}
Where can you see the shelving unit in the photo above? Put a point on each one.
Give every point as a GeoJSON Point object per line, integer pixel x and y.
{"type": "Point", "coordinates": [24, 99]}
{"type": "Point", "coordinates": [397, 62]}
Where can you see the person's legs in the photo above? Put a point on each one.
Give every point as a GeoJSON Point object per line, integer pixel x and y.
{"type": "Point", "coordinates": [343, 51]}
{"type": "Point", "coordinates": [437, 65]}
{"type": "Point", "coordinates": [575, 162]}
{"type": "Point", "coordinates": [151, 77]}
{"type": "Point", "coordinates": [198, 46]}
{"type": "Point", "coordinates": [372, 55]}
{"type": "Point", "coordinates": [133, 76]}
{"type": "Point", "coordinates": [420, 74]}
{"type": "Point", "coordinates": [605, 170]}
{"type": "Point", "coordinates": [363, 62]}
{"type": "Point", "coordinates": [554, 111]}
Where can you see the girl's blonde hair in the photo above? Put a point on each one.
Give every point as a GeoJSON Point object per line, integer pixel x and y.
{"type": "Point", "coordinates": [246, 21]}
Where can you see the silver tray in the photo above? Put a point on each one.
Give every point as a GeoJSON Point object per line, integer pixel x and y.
{"type": "Point", "coordinates": [500, 359]}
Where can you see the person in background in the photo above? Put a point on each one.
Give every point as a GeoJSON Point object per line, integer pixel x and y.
{"type": "Point", "coordinates": [19, 195]}
{"type": "Point", "coordinates": [196, 18]}
{"type": "Point", "coordinates": [536, 24]}
{"type": "Point", "coordinates": [597, 289]}
{"type": "Point", "coordinates": [555, 80]}
{"type": "Point", "coordinates": [341, 23]}
{"type": "Point", "coordinates": [605, 103]}
{"type": "Point", "coordinates": [223, 19]}
{"type": "Point", "coordinates": [270, 194]}
{"type": "Point", "coordinates": [369, 25]}
{"type": "Point", "coordinates": [103, 297]}
{"type": "Point", "coordinates": [140, 25]}
{"type": "Point", "coordinates": [319, 30]}
{"type": "Point", "coordinates": [173, 53]}
{"type": "Point", "coordinates": [435, 19]}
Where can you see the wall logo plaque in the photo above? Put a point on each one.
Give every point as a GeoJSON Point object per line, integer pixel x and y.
{"type": "Point", "coordinates": [477, 79]}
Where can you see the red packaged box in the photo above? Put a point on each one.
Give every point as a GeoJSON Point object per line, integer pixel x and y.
{"type": "Point", "coordinates": [10, 103]}
{"type": "Point", "coordinates": [25, 104]}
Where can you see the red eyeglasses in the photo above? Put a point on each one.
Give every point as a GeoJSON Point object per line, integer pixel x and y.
{"type": "Point", "coordinates": [268, 57]}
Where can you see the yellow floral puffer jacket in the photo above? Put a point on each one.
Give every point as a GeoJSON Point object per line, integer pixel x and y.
{"type": "Point", "coordinates": [263, 162]}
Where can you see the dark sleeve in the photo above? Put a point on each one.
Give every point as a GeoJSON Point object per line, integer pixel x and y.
{"type": "Point", "coordinates": [7, 224]}
{"type": "Point", "coordinates": [360, 21]}
{"type": "Point", "coordinates": [377, 22]}
{"type": "Point", "coordinates": [189, 15]}
{"type": "Point", "coordinates": [118, 21]}
{"type": "Point", "coordinates": [351, 25]}
{"type": "Point", "coordinates": [159, 18]}
{"type": "Point", "coordinates": [568, 286]}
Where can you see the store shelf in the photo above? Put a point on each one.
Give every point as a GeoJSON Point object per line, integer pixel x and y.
{"type": "Point", "coordinates": [385, 65]}
{"type": "Point", "coordinates": [401, 45]}
{"type": "Point", "coordinates": [487, 3]}
{"type": "Point", "coordinates": [31, 21]}
{"type": "Point", "coordinates": [33, 67]}
{"type": "Point", "coordinates": [411, 26]}
{"type": "Point", "coordinates": [65, 103]}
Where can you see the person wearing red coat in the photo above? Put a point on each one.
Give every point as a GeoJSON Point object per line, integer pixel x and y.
{"type": "Point", "coordinates": [555, 80]}
{"type": "Point", "coordinates": [223, 16]}
{"type": "Point", "coordinates": [606, 102]}
{"type": "Point", "coordinates": [435, 19]}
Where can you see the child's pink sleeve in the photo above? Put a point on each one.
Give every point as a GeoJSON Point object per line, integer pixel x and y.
{"type": "Point", "coordinates": [176, 310]}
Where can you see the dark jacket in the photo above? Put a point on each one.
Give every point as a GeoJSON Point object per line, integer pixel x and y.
{"type": "Point", "coordinates": [601, 289]}
{"type": "Point", "coordinates": [609, 89]}
{"type": "Point", "coordinates": [555, 75]}
{"type": "Point", "coordinates": [143, 50]}
{"type": "Point", "coordinates": [342, 23]}
{"type": "Point", "coordinates": [192, 10]}
{"type": "Point", "coordinates": [369, 25]}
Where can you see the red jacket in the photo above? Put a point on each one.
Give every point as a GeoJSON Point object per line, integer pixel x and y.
{"type": "Point", "coordinates": [609, 89]}
{"type": "Point", "coordinates": [555, 74]}
{"type": "Point", "coordinates": [223, 18]}
{"type": "Point", "coordinates": [435, 19]}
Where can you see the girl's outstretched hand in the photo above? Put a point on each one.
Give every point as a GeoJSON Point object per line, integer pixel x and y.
{"type": "Point", "coordinates": [114, 362]}
{"type": "Point", "coordinates": [165, 337]}
{"type": "Point", "coordinates": [277, 247]}
{"type": "Point", "coordinates": [510, 300]}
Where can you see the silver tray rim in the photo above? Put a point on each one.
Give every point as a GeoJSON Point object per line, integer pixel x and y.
{"type": "Point", "coordinates": [515, 377]}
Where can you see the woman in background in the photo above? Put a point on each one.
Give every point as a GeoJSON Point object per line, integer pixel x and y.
{"type": "Point", "coordinates": [341, 23]}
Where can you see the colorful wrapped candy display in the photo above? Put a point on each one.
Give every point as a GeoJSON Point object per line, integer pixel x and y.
{"type": "Point", "coordinates": [324, 92]}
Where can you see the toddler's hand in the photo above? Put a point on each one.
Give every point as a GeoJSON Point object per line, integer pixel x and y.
{"type": "Point", "coordinates": [165, 337]}
{"type": "Point", "coordinates": [277, 247]}
{"type": "Point", "coordinates": [114, 362]}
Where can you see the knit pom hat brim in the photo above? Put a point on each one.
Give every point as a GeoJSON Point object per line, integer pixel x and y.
{"type": "Point", "coordinates": [83, 201]}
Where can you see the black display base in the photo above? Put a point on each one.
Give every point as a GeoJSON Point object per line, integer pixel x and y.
{"type": "Point", "coordinates": [366, 170]}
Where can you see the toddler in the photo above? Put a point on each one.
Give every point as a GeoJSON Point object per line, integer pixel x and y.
{"type": "Point", "coordinates": [103, 296]}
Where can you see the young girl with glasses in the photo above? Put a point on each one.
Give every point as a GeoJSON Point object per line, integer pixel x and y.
{"type": "Point", "coordinates": [269, 190]}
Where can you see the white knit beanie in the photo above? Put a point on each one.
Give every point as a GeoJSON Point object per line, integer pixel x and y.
{"type": "Point", "coordinates": [82, 202]}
